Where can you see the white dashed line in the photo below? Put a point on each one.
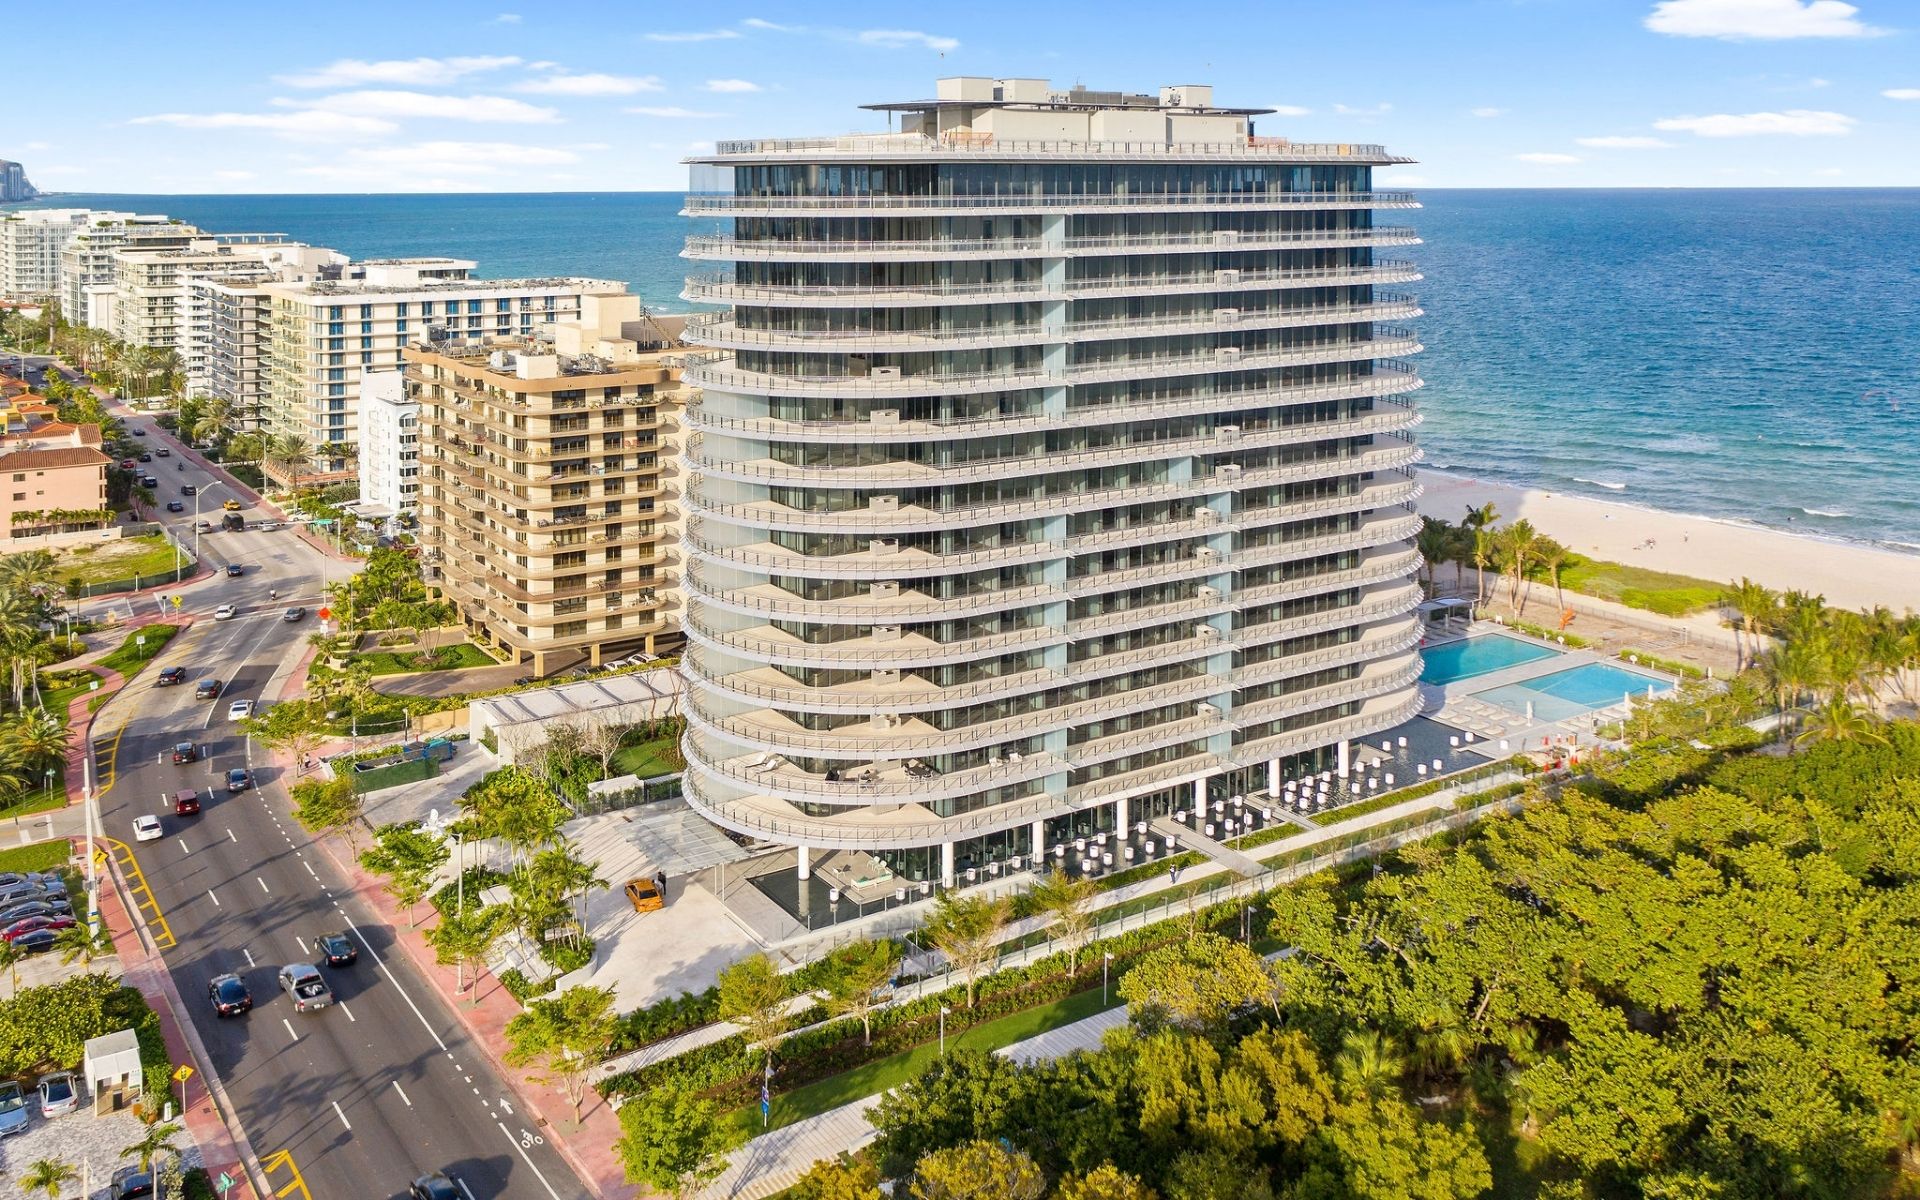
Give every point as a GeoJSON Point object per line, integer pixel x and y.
{"type": "Point", "coordinates": [403, 1093]}
{"type": "Point", "coordinates": [349, 1012]}
{"type": "Point", "coordinates": [343, 1116]}
{"type": "Point", "coordinates": [290, 1032]}
{"type": "Point", "coordinates": [262, 883]}
{"type": "Point", "coordinates": [309, 867]}
{"type": "Point", "coordinates": [530, 1165]}
{"type": "Point", "coordinates": [182, 843]}
{"type": "Point", "coordinates": [465, 1190]}
{"type": "Point", "coordinates": [249, 955]}
{"type": "Point", "coordinates": [214, 898]}
{"type": "Point", "coordinates": [232, 838]}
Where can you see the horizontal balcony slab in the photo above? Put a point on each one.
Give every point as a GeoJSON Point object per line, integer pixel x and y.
{"type": "Point", "coordinates": [861, 786]}
{"type": "Point", "coordinates": [723, 248]}
{"type": "Point", "coordinates": [779, 206]}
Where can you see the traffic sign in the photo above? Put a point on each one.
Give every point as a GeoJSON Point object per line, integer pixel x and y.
{"type": "Point", "coordinates": [177, 601]}
{"type": "Point", "coordinates": [183, 1074]}
{"type": "Point", "coordinates": [326, 614]}
{"type": "Point", "coordinates": [224, 1181]}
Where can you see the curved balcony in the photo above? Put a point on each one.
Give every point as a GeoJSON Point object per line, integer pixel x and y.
{"type": "Point", "coordinates": [878, 827]}
{"type": "Point", "coordinates": [722, 288]}
{"type": "Point", "coordinates": [1195, 728]}
{"type": "Point", "coordinates": [884, 780]}
{"type": "Point", "coordinates": [1375, 569]}
{"type": "Point", "coordinates": [1376, 715]}
{"type": "Point", "coordinates": [874, 565]}
{"type": "Point", "coordinates": [781, 206]}
{"type": "Point", "coordinates": [904, 650]}
{"type": "Point", "coordinates": [1379, 605]}
{"type": "Point", "coordinates": [1378, 679]}
{"type": "Point", "coordinates": [1381, 643]}
{"type": "Point", "coordinates": [770, 602]}
{"type": "Point", "coordinates": [724, 248]}
{"type": "Point", "coordinates": [1380, 531]}
{"type": "Point", "coordinates": [722, 331]}
{"type": "Point", "coordinates": [762, 686]}
{"type": "Point", "coordinates": [896, 474]}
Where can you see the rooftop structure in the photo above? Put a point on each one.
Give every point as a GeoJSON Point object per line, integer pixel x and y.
{"type": "Point", "coordinates": [1050, 474]}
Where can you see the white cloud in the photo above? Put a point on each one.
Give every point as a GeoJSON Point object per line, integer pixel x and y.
{"type": "Point", "coordinates": [1547, 159]}
{"type": "Point", "coordinates": [769, 26]}
{"type": "Point", "coordinates": [39, 145]}
{"type": "Point", "coordinates": [670, 111]}
{"type": "Point", "coordinates": [1817, 82]}
{"type": "Point", "coordinates": [591, 85]}
{"type": "Point", "coordinates": [731, 85]}
{"type": "Point", "coordinates": [1625, 143]}
{"type": "Point", "coordinates": [233, 176]}
{"type": "Point", "coordinates": [1797, 122]}
{"type": "Point", "coordinates": [899, 39]}
{"type": "Point", "coordinates": [1767, 20]}
{"type": "Point", "coordinates": [1902, 93]}
{"type": "Point", "coordinates": [419, 72]}
{"type": "Point", "coordinates": [711, 35]}
{"type": "Point", "coordinates": [422, 104]}
{"type": "Point", "coordinates": [507, 19]}
{"type": "Point", "coordinates": [1377, 110]}
{"type": "Point", "coordinates": [1489, 112]}
{"type": "Point", "coordinates": [306, 125]}
{"type": "Point", "coordinates": [1290, 110]}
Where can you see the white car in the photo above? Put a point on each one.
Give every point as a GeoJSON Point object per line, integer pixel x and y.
{"type": "Point", "coordinates": [226, 612]}
{"type": "Point", "coordinates": [146, 829]}
{"type": "Point", "coordinates": [239, 709]}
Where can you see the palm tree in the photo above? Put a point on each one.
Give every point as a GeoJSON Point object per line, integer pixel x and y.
{"type": "Point", "coordinates": [48, 1176]}
{"type": "Point", "coordinates": [288, 451]}
{"type": "Point", "coordinates": [1482, 517]}
{"type": "Point", "coordinates": [1553, 556]}
{"type": "Point", "coordinates": [1520, 544]}
{"type": "Point", "coordinates": [1795, 667]}
{"type": "Point", "coordinates": [28, 571]}
{"type": "Point", "coordinates": [1754, 602]}
{"type": "Point", "coordinates": [1483, 554]}
{"type": "Point", "coordinates": [1434, 541]}
{"type": "Point", "coordinates": [11, 956]}
{"type": "Point", "coordinates": [1369, 1064]}
{"type": "Point", "coordinates": [216, 416]}
{"type": "Point", "coordinates": [19, 629]}
{"type": "Point", "coordinates": [159, 1140]}
{"type": "Point", "coordinates": [1840, 720]}
{"type": "Point", "coordinates": [82, 943]}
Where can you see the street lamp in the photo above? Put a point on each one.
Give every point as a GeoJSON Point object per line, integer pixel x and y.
{"type": "Point", "coordinates": [945, 1012]}
{"type": "Point", "coordinates": [197, 493]}
{"type": "Point", "coordinates": [1105, 966]}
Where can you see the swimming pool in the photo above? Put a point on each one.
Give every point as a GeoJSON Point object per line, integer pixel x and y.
{"type": "Point", "coordinates": [1573, 692]}
{"type": "Point", "coordinates": [1479, 655]}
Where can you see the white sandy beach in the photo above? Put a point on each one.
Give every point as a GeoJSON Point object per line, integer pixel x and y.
{"type": "Point", "coordinates": [1850, 576]}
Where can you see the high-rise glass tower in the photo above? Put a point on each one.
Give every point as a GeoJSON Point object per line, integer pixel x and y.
{"type": "Point", "coordinates": [1051, 473]}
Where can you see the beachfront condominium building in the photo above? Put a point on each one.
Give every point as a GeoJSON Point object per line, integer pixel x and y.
{"type": "Point", "coordinates": [30, 244]}
{"type": "Point", "coordinates": [226, 322]}
{"type": "Point", "coordinates": [326, 332]}
{"type": "Point", "coordinates": [1050, 474]}
{"type": "Point", "coordinates": [88, 272]}
{"type": "Point", "coordinates": [150, 286]}
{"type": "Point", "coordinates": [389, 446]}
{"type": "Point", "coordinates": [547, 478]}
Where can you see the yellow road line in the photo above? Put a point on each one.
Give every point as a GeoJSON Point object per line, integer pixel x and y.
{"type": "Point", "coordinates": [284, 1158]}
{"type": "Point", "coordinates": [142, 894]}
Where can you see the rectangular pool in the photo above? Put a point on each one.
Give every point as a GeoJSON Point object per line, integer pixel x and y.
{"type": "Point", "coordinates": [1573, 692]}
{"type": "Point", "coordinates": [1478, 655]}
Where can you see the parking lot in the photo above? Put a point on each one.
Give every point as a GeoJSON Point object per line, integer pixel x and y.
{"type": "Point", "coordinates": [77, 1138]}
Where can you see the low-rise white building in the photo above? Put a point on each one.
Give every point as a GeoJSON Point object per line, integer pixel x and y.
{"type": "Point", "coordinates": [88, 270]}
{"type": "Point", "coordinates": [389, 446]}
{"type": "Point", "coordinates": [30, 244]}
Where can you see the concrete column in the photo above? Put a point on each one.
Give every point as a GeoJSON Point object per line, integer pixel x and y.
{"type": "Point", "coordinates": [1120, 817]}
{"type": "Point", "coordinates": [805, 863]}
{"type": "Point", "coordinates": [1039, 845]}
{"type": "Point", "coordinates": [1273, 777]}
{"type": "Point", "coordinates": [1343, 764]}
{"type": "Point", "coordinates": [1200, 797]}
{"type": "Point", "coordinates": [946, 864]}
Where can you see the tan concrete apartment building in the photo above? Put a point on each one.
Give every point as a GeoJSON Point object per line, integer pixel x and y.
{"type": "Point", "coordinates": [52, 477]}
{"type": "Point", "coordinates": [547, 484]}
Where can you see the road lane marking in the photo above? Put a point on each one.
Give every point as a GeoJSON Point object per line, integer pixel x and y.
{"type": "Point", "coordinates": [343, 1116]}
{"type": "Point", "coordinates": [464, 1189]}
{"type": "Point", "coordinates": [182, 843]}
{"type": "Point", "coordinates": [431, 1032]}
{"type": "Point", "coordinates": [403, 1093]}
{"type": "Point", "coordinates": [231, 838]}
{"type": "Point", "coordinates": [537, 1173]}
{"type": "Point", "coordinates": [136, 882]}
{"type": "Point", "coordinates": [290, 1032]}
{"type": "Point", "coordinates": [262, 883]}
{"type": "Point", "coordinates": [349, 1012]}
{"type": "Point", "coordinates": [283, 1158]}
{"type": "Point", "coordinates": [249, 955]}
{"type": "Point", "coordinates": [309, 867]}
{"type": "Point", "coordinates": [300, 942]}
{"type": "Point", "coordinates": [214, 898]}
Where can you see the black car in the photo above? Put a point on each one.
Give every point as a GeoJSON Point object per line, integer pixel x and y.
{"type": "Point", "coordinates": [235, 570]}
{"type": "Point", "coordinates": [432, 1187]}
{"type": "Point", "coordinates": [145, 457]}
{"type": "Point", "coordinates": [175, 506]}
{"type": "Point", "coordinates": [138, 432]}
{"type": "Point", "coordinates": [130, 1182]}
{"type": "Point", "coordinates": [34, 908]}
{"type": "Point", "coordinates": [185, 752]}
{"type": "Point", "coordinates": [207, 689]}
{"type": "Point", "coordinates": [239, 779]}
{"type": "Point", "coordinates": [229, 995]}
{"type": "Point", "coordinates": [149, 481]}
{"type": "Point", "coordinates": [337, 950]}
{"type": "Point", "coordinates": [187, 489]}
{"type": "Point", "coordinates": [170, 676]}
{"type": "Point", "coordinates": [36, 941]}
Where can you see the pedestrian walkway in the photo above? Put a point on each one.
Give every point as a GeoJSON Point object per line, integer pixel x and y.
{"type": "Point", "coordinates": [1192, 839]}
{"type": "Point", "coordinates": [776, 1160]}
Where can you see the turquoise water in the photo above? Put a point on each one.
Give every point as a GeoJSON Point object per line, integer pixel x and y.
{"type": "Point", "coordinates": [1455, 661]}
{"type": "Point", "coordinates": [1572, 692]}
{"type": "Point", "coordinates": [1747, 353]}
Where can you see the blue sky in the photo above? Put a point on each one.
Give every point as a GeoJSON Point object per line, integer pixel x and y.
{"type": "Point", "coordinates": [413, 95]}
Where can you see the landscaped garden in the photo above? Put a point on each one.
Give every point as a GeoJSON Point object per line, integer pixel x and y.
{"type": "Point", "coordinates": [148, 558]}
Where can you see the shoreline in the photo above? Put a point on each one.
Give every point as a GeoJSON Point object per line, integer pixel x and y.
{"type": "Point", "coordinates": [1849, 574]}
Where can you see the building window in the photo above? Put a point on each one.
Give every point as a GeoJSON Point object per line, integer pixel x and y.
{"type": "Point", "coordinates": [426, 307]}
{"type": "Point", "coordinates": [473, 306]}
{"type": "Point", "coordinates": [504, 304]}
{"type": "Point", "coordinates": [400, 309]}
{"type": "Point", "coordinates": [366, 311]}
{"type": "Point", "coordinates": [333, 313]}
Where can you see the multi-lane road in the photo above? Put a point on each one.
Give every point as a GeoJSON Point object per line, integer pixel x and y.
{"type": "Point", "coordinates": [352, 1101]}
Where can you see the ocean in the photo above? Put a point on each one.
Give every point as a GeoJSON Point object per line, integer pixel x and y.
{"type": "Point", "coordinates": [1748, 354]}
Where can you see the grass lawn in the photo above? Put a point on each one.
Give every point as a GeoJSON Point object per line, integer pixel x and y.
{"type": "Point", "coordinates": [646, 759]}
{"type": "Point", "coordinates": [877, 1077]}
{"type": "Point", "coordinates": [110, 560]}
{"type": "Point", "coordinates": [446, 658]}
{"type": "Point", "coordinates": [1637, 587]}
{"type": "Point", "coordinates": [41, 856]}
{"type": "Point", "coordinates": [140, 648]}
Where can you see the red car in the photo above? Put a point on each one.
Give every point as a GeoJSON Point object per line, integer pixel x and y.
{"type": "Point", "coordinates": [30, 924]}
{"type": "Point", "coordinates": [126, 464]}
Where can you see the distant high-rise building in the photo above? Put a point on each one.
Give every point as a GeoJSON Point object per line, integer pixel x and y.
{"type": "Point", "coordinates": [30, 244]}
{"type": "Point", "coordinates": [14, 186]}
{"type": "Point", "coordinates": [1050, 474]}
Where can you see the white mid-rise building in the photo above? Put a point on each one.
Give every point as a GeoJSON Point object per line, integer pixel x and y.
{"type": "Point", "coordinates": [226, 321]}
{"type": "Point", "coordinates": [30, 244]}
{"type": "Point", "coordinates": [328, 332]}
{"type": "Point", "coordinates": [151, 285]}
{"type": "Point", "coordinates": [1051, 475]}
{"type": "Point", "coordinates": [389, 445]}
{"type": "Point", "coordinates": [88, 271]}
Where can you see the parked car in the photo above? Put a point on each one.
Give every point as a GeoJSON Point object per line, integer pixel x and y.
{"type": "Point", "coordinates": [302, 982]}
{"type": "Point", "coordinates": [147, 829]}
{"type": "Point", "coordinates": [31, 924]}
{"type": "Point", "coordinates": [127, 464]}
{"type": "Point", "coordinates": [21, 910]}
{"type": "Point", "coordinates": [130, 1183]}
{"type": "Point", "coordinates": [206, 689]}
{"type": "Point", "coordinates": [645, 895]}
{"type": "Point", "coordinates": [13, 1109]}
{"type": "Point", "coordinates": [294, 614]}
{"type": "Point", "coordinates": [58, 1095]}
{"type": "Point", "coordinates": [432, 1187]}
{"type": "Point", "coordinates": [149, 481]}
{"type": "Point", "coordinates": [338, 950]}
{"type": "Point", "coordinates": [36, 941]}
{"type": "Point", "coordinates": [185, 752]}
{"type": "Point", "coordinates": [186, 802]}
{"type": "Point", "coordinates": [175, 506]}
{"type": "Point", "coordinates": [169, 676]}
{"type": "Point", "coordinates": [229, 995]}
{"type": "Point", "coordinates": [239, 779]}
{"type": "Point", "coordinates": [226, 612]}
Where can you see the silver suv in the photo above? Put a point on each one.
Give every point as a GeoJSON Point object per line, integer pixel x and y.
{"type": "Point", "coordinates": [302, 981]}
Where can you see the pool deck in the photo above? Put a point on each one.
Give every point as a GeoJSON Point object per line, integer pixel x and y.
{"type": "Point", "coordinates": [1458, 704]}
